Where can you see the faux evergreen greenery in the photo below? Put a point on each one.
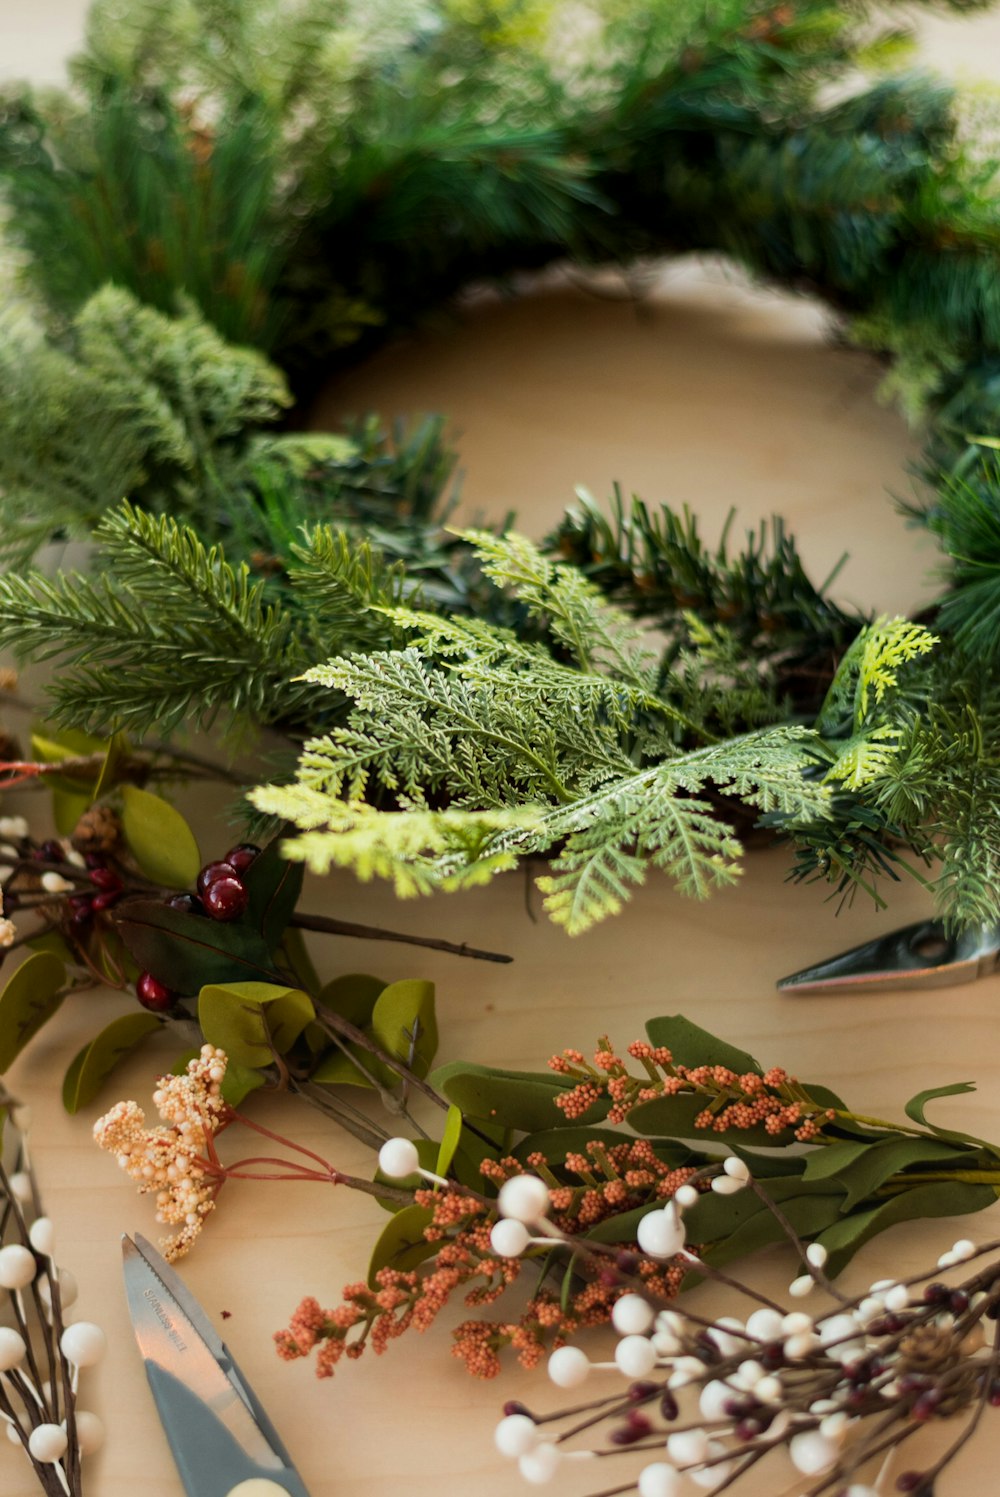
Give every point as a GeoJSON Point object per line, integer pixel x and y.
{"type": "Point", "coordinates": [304, 179]}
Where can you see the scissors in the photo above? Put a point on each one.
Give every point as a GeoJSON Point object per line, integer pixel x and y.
{"type": "Point", "coordinates": [222, 1441]}
{"type": "Point", "coordinates": [924, 955]}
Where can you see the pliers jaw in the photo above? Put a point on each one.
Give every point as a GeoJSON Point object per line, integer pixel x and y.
{"type": "Point", "coordinates": [923, 955]}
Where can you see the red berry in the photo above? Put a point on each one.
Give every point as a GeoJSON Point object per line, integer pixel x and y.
{"type": "Point", "coordinates": [50, 852]}
{"type": "Point", "coordinates": [80, 909]}
{"type": "Point", "coordinates": [211, 872]}
{"type": "Point", "coordinates": [153, 994]}
{"type": "Point", "coordinates": [107, 880]}
{"type": "Point", "coordinates": [106, 900]}
{"type": "Point", "coordinates": [225, 898]}
{"type": "Point", "coordinates": [242, 855]}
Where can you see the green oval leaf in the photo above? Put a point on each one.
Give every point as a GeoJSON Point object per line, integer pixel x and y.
{"type": "Point", "coordinates": [160, 839]}
{"type": "Point", "coordinates": [401, 1244]}
{"type": "Point", "coordinates": [449, 1141]}
{"type": "Point", "coordinates": [948, 1198]}
{"type": "Point", "coordinates": [187, 951]}
{"type": "Point", "coordinates": [524, 1100]}
{"type": "Point", "coordinates": [404, 1023]}
{"type": "Point", "coordinates": [691, 1045]}
{"type": "Point", "coordinates": [674, 1117]}
{"type": "Point", "coordinates": [252, 1020]}
{"type": "Point", "coordinates": [30, 997]}
{"type": "Point", "coordinates": [92, 1066]}
{"type": "Point", "coordinates": [353, 996]}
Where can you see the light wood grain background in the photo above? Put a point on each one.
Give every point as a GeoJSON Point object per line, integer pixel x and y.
{"type": "Point", "coordinates": [714, 395]}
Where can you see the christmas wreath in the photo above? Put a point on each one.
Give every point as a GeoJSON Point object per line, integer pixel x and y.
{"type": "Point", "coordinates": [488, 699]}
{"type": "Point", "coordinates": [246, 194]}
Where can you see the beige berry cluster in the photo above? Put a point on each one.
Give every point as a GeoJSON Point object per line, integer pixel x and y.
{"type": "Point", "coordinates": [174, 1160]}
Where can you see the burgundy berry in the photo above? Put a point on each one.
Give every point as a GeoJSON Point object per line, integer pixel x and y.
{"type": "Point", "coordinates": [154, 995]}
{"type": "Point", "coordinates": [211, 872]}
{"type": "Point", "coordinates": [936, 1294]}
{"type": "Point", "coordinates": [242, 855]}
{"type": "Point", "coordinates": [106, 900]}
{"type": "Point", "coordinates": [107, 880]}
{"type": "Point", "coordinates": [638, 1422]}
{"type": "Point", "coordinates": [959, 1302]}
{"type": "Point", "coordinates": [225, 898]}
{"type": "Point", "coordinates": [908, 1481]}
{"type": "Point", "coordinates": [94, 860]}
{"type": "Point", "coordinates": [80, 909]}
{"type": "Point", "coordinates": [188, 904]}
{"type": "Point", "coordinates": [513, 1406]}
{"type": "Point", "coordinates": [640, 1392]}
{"type": "Point", "coordinates": [669, 1407]}
{"type": "Point", "coordinates": [51, 852]}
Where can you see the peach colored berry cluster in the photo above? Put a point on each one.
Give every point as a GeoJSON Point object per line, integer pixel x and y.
{"type": "Point", "coordinates": [771, 1099]}
{"type": "Point", "coordinates": [609, 1180]}
{"type": "Point", "coordinates": [174, 1160]}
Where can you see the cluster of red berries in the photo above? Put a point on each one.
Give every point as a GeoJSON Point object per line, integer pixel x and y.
{"type": "Point", "coordinates": [222, 895]}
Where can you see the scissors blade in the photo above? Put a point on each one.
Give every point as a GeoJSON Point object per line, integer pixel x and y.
{"type": "Point", "coordinates": [213, 1432]}
{"type": "Point", "coordinates": [922, 955]}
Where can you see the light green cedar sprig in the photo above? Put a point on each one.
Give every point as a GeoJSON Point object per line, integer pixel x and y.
{"type": "Point", "coordinates": [585, 759]}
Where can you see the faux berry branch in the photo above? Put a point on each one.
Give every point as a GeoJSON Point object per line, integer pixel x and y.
{"type": "Point", "coordinates": [519, 1171]}
{"type": "Point", "coordinates": [836, 1393]}
{"type": "Point", "coordinates": [122, 898]}
{"type": "Point", "coordinates": [41, 1356]}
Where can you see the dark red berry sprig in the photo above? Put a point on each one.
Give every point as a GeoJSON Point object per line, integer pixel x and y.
{"type": "Point", "coordinates": [222, 891]}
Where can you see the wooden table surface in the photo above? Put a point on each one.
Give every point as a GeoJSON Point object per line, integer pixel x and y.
{"type": "Point", "coordinates": [712, 395]}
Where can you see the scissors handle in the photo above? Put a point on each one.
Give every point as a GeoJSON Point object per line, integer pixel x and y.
{"type": "Point", "coordinates": [210, 1461]}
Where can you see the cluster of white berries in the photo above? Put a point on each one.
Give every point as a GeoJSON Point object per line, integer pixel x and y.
{"type": "Point", "coordinates": [647, 1340]}
{"type": "Point", "coordinates": [83, 1344]}
{"type": "Point", "coordinates": [757, 1364]}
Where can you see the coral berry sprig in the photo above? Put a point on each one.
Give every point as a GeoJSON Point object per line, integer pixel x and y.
{"type": "Point", "coordinates": [730, 1100]}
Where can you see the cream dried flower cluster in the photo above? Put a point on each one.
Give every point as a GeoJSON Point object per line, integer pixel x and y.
{"type": "Point", "coordinates": [176, 1160]}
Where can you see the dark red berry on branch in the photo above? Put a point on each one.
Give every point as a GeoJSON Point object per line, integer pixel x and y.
{"type": "Point", "coordinates": [212, 871]}
{"type": "Point", "coordinates": [225, 898]}
{"type": "Point", "coordinates": [81, 908]}
{"type": "Point", "coordinates": [94, 860]}
{"type": "Point", "coordinates": [936, 1294]}
{"type": "Point", "coordinates": [107, 880]}
{"type": "Point", "coordinates": [106, 900]}
{"type": "Point", "coordinates": [513, 1406]}
{"type": "Point", "coordinates": [51, 852]}
{"type": "Point", "coordinates": [669, 1407]}
{"type": "Point", "coordinates": [958, 1303]}
{"type": "Point", "coordinates": [242, 855]}
{"type": "Point", "coordinates": [154, 995]}
{"type": "Point", "coordinates": [909, 1481]}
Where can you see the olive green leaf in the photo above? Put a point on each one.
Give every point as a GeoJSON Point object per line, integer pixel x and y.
{"type": "Point", "coordinates": [252, 1021]}
{"type": "Point", "coordinates": [400, 1011]}
{"type": "Point", "coordinates": [524, 1100]}
{"type": "Point", "coordinates": [404, 1021]}
{"type": "Point", "coordinates": [450, 1139]}
{"type": "Point", "coordinates": [948, 1198]}
{"type": "Point", "coordinates": [401, 1244]}
{"type": "Point", "coordinates": [353, 996]}
{"type": "Point", "coordinates": [30, 997]}
{"type": "Point", "coordinates": [91, 1066]}
{"type": "Point", "coordinates": [691, 1045]}
{"type": "Point", "coordinates": [159, 838]}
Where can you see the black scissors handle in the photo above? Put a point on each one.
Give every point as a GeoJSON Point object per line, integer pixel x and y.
{"type": "Point", "coordinates": [922, 955]}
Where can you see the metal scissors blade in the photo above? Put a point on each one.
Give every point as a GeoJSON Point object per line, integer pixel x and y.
{"type": "Point", "coordinates": [922, 955]}
{"type": "Point", "coordinates": [221, 1439]}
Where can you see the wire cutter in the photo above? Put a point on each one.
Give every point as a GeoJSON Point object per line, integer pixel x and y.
{"type": "Point", "coordinates": [923, 955]}
{"type": "Point", "coordinates": [222, 1441]}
